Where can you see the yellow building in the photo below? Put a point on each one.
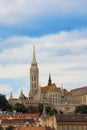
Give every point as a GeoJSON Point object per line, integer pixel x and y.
{"type": "Point", "coordinates": [49, 121]}
{"type": "Point", "coordinates": [79, 95]}
{"type": "Point", "coordinates": [72, 122]}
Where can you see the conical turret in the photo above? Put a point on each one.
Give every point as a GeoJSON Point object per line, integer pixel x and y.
{"type": "Point", "coordinates": [11, 96]}
{"type": "Point", "coordinates": [62, 91]}
{"type": "Point", "coordinates": [44, 111]}
{"type": "Point", "coordinates": [21, 95]}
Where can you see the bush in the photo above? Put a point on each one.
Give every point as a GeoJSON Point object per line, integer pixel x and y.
{"type": "Point", "coordinates": [81, 109]}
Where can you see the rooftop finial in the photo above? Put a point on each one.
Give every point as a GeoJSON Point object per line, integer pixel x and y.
{"type": "Point", "coordinates": [34, 57]}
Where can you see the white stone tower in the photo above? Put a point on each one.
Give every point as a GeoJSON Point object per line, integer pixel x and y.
{"type": "Point", "coordinates": [34, 75]}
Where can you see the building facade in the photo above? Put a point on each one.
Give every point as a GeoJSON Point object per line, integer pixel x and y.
{"type": "Point", "coordinates": [55, 96]}
{"type": "Point", "coordinates": [72, 122]}
{"type": "Point", "coordinates": [79, 95]}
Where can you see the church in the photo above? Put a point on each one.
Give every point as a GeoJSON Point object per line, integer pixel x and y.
{"type": "Point", "coordinates": [50, 94]}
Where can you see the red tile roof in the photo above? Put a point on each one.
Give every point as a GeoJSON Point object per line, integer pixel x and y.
{"type": "Point", "coordinates": [19, 116]}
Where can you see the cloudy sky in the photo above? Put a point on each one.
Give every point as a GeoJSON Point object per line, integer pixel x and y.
{"type": "Point", "coordinates": [58, 30]}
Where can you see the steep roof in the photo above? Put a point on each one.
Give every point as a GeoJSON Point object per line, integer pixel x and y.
{"type": "Point", "coordinates": [50, 88]}
{"type": "Point", "coordinates": [22, 96]}
{"type": "Point", "coordinates": [80, 89]}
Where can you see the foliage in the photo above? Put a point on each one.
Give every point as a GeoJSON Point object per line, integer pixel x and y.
{"type": "Point", "coordinates": [10, 128]}
{"type": "Point", "coordinates": [81, 109]}
{"type": "Point", "coordinates": [33, 109]}
{"type": "Point", "coordinates": [20, 108]}
{"type": "Point", "coordinates": [4, 104]}
{"type": "Point", "coordinates": [49, 110]}
{"type": "Point", "coordinates": [40, 108]}
{"type": "Point", "coordinates": [1, 127]}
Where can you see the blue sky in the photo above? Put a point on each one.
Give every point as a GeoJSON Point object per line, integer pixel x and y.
{"type": "Point", "coordinates": [57, 28]}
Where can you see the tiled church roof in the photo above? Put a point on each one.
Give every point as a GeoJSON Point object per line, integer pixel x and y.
{"type": "Point", "coordinates": [52, 88]}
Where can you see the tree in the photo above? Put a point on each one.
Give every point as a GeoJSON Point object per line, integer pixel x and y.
{"type": "Point", "coordinates": [4, 104]}
{"type": "Point", "coordinates": [32, 109]}
{"type": "Point", "coordinates": [81, 109]}
{"type": "Point", "coordinates": [20, 108]}
{"type": "Point", "coordinates": [49, 110]}
{"type": "Point", "coordinates": [40, 108]}
{"type": "Point", "coordinates": [1, 128]}
{"type": "Point", "coordinates": [10, 128]}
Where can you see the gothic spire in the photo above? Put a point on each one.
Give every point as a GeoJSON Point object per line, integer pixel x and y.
{"type": "Point", "coordinates": [44, 111]}
{"type": "Point", "coordinates": [34, 56]}
{"type": "Point", "coordinates": [62, 90]}
{"type": "Point", "coordinates": [49, 80]}
{"type": "Point", "coordinates": [21, 94]}
{"type": "Point", "coordinates": [11, 96]}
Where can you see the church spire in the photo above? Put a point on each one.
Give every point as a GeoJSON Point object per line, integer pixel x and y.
{"type": "Point", "coordinates": [21, 95]}
{"type": "Point", "coordinates": [49, 81]}
{"type": "Point", "coordinates": [44, 111]}
{"type": "Point", "coordinates": [34, 75]}
{"type": "Point", "coordinates": [34, 56]}
{"type": "Point", "coordinates": [11, 96]}
{"type": "Point", "coordinates": [62, 90]}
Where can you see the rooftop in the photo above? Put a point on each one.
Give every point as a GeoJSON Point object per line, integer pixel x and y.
{"type": "Point", "coordinates": [72, 118]}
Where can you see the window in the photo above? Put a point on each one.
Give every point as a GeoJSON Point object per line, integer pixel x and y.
{"type": "Point", "coordinates": [35, 85]}
{"type": "Point", "coordinates": [75, 128]}
{"type": "Point", "coordinates": [34, 78]}
{"type": "Point", "coordinates": [65, 127]}
{"type": "Point", "coordinates": [70, 127]}
{"type": "Point", "coordinates": [84, 127]}
{"type": "Point", "coordinates": [60, 128]}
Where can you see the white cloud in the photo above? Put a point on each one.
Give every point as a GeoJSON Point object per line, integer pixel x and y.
{"type": "Point", "coordinates": [13, 71]}
{"type": "Point", "coordinates": [17, 11]}
{"type": "Point", "coordinates": [62, 46]}
{"type": "Point", "coordinates": [62, 54]}
{"type": "Point", "coordinates": [5, 88]}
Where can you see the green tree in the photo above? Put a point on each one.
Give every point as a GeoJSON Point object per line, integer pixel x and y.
{"type": "Point", "coordinates": [33, 109]}
{"type": "Point", "coordinates": [4, 104]}
{"type": "Point", "coordinates": [81, 109]}
{"type": "Point", "coordinates": [49, 110]}
{"type": "Point", "coordinates": [1, 128]}
{"type": "Point", "coordinates": [10, 128]}
{"type": "Point", "coordinates": [20, 108]}
{"type": "Point", "coordinates": [40, 108]}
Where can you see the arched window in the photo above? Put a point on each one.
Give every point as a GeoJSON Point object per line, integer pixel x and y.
{"type": "Point", "coordinates": [32, 78]}
{"type": "Point", "coordinates": [35, 85]}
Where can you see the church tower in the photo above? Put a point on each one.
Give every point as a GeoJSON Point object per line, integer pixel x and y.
{"type": "Point", "coordinates": [34, 75]}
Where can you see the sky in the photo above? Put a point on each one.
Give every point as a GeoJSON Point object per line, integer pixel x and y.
{"type": "Point", "coordinates": [57, 29]}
